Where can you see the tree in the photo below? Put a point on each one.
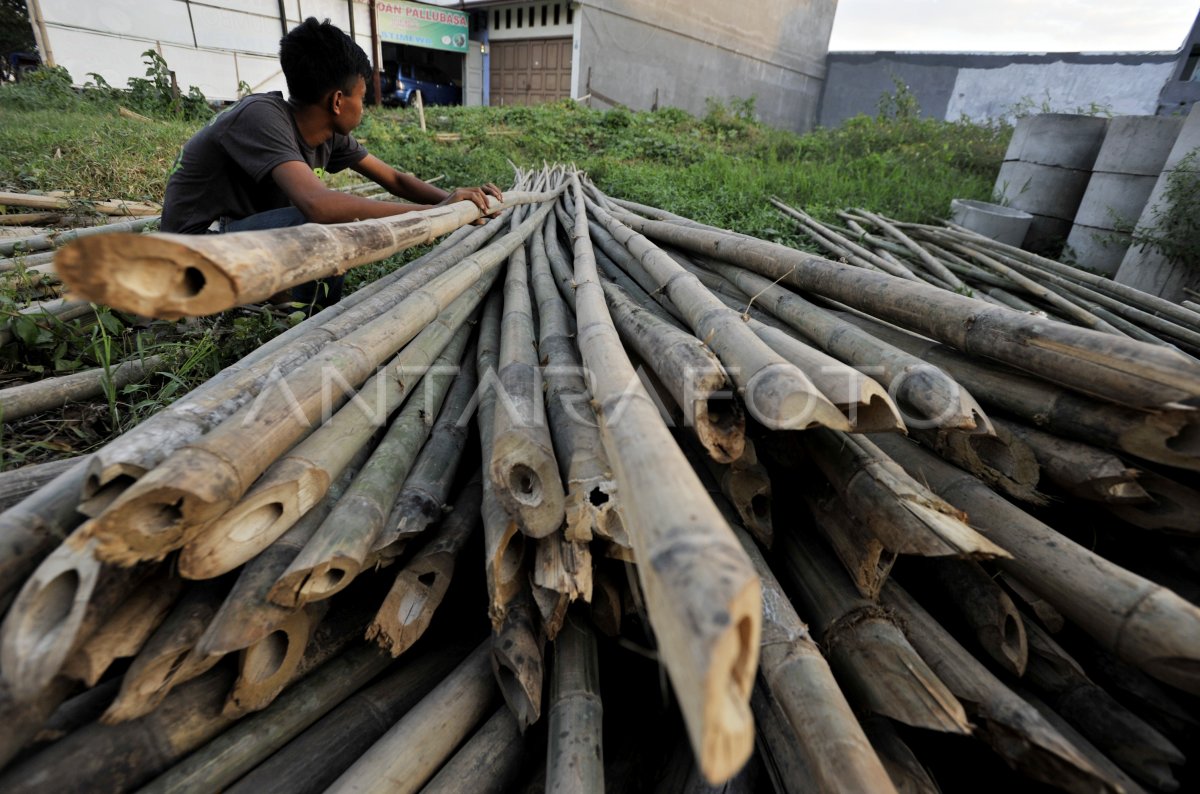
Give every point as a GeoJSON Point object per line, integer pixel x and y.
{"type": "Point", "coordinates": [16, 34]}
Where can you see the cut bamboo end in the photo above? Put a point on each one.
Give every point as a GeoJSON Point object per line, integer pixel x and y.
{"type": "Point", "coordinates": [151, 275]}
{"type": "Point", "coordinates": [874, 412]}
{"type": "Point", "coordinates": [528, 484]}
{"type": "Point", "coordinates": [720, 426]}
{"type": "Point", "coordinates": [783, 399]}
{"type": "Point", "coordinates": [1169, 506]}
{"type": "Point", "coordinates": [517, 662]}
{"type": "Point", "coordinates": [1157, 637]}
{"type": "Point", "coordinates": [144, 690]}
{"type": "Point", "coordinates": [166, 508]}
{"type": "Point", "coordinates": [270, 508]}
{"type": "Point", "coordinates": [105, 484]}
{"type": "Point", "coordinates": [408, 608]}
{"type": "Point", "coordinates": [267, 666]}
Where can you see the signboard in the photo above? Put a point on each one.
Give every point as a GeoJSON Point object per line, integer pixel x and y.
{"type": "Point", "coordinates": [422, 25]}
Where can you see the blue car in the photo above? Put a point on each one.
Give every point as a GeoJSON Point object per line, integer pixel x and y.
{"type": "Point", "coordinates": [402, 82]}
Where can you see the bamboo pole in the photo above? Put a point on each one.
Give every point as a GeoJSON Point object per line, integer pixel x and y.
{"type": "Point", "coordinates": [863, 556]}
{"type": "Point", "coordinates": [1155, 702]}
{"type": "Point", "coordinates": [126, 630]}
{"type": "Point", "coordinates": [895, 507]}
{"type": "Point", "coordinates": [16, 484]}
{"type": "Point", "coordinates": [270, 664]}
{"type": "Point", "coordinates": [115, 207]}
{"type": "Point", "coordinates": [575, 757]}
{"type": "Point", "coordinates": [1046, 614]}
{"type": "Point", "coordinates": [199, 482]}
{"type": "Point", "coordinates": [707, 624]}
{"type": "Point", "coordinates": [312, 760]}
{"type": "Point", "coordinates": [873, 662]}
{"type": "Point", "coordinates": [927, 395]}
{"type": "Point", "coordinates": [179, 275]}
{"type": "Point", "coordinates": [517, 657]}
{"type": "Point", "coordinates": [1125, 371]}
{"type": "Point", "coordinates": [169, 656]}
{"type": "Point", "coordinates": [487, 763]}
{"type": "Point", "coordinates": [23, 719]}
{"type": "Point", "coordinates": [1163, 436]}
{"type": "Point", "coordinates": [747, 485]}
{"type": "Point", "coordinates": [248, 615]}
{"type": "Point", "coordinates": [421, 584]}
{"type": "Point", "coordinates": [121, 462]}
{"type": "Point", "coordinates": [1012, 727]}
{"type": "Point", "coordinates": [63, 601]}
{"type": "Point", "coordinates": [1079, 469]}
{"type": "Point", "coordinates": [1120, 734]}
{"type": "Point", "coordinates": [503, 542]}
{"type": "Point", "coordinates": [590, 507]}
{"type": "Point", "coordinates": [220, 763]}
{"type": "Point", "coordinates": [931, 263]}
{"type": "Point", "coordinates": [52, 393]}
{"type": "Point", "coordinates": [778, 748]}
{"type": "Point", "coordinates": [407, 756]}
{"type": "Point", "coordinates": [1001, 460]}
{"type": "Point", "coordinates": [48, 240]}
{"type": "Point", "coordinates": [985, 608]}
{"type": "Point", "coordinates": [1172, 506]}
{"type": "Point", "coordinates": [32, 528]}
{"type": "Point", "coordinates": [834, 751]}
{"type": "Point", "coordinates": [426, 492]}
{"type": "Point", "coordinates": [74, 713]}
{"type": "Point", "coordinates": [903, 766]}
{"type": "Point", "coordinates": [524, 467]}
{"type": "Point", "coordinates": [340, 548]}
{"type": "Point", "coordinates": [775, 391]}
{"type": "Point", "coordinates": [1143, 623]}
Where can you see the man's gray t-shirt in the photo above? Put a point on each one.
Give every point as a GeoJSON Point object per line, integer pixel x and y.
{"type": "Point", "coordinates": [224, 171]}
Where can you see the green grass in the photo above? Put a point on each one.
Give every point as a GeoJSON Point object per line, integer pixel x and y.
{"type": "Point", "coordinates": [719, 170]}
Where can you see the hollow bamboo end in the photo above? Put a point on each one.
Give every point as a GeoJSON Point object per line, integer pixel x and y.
{"type": "Point", "coordinates": [239, 534]}
{"type": "Point", "coordinates": [1162, 636]}
{"type": "Point", "coordinates": [781, 398]}
{"type": "Point", "coordinates": [266, 666]}
{"type": "Point", "coordinates": [152, 275]}
{"type": "Point", "coordinates": [720, 426]}
{"type": "Point", "coordinates": [876, 413]}
{"type": "Point", "coordinates": [529, 486]}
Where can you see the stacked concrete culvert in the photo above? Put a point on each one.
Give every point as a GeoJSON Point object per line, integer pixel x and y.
{"type": "Point", "coordinates": [1046, 171]}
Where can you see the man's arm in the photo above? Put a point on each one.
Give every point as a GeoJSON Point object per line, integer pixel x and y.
{"type": "Point", "coordinates": [319, 204]}
{"type": "Point", "coordinates": [399, 184]}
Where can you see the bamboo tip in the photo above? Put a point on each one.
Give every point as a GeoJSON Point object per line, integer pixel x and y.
{"type": "Point", "coordinates": [151, 275]}
{"type": "Point", "coordinates": [1162, 636]}
{"type": "Point", "coordinates": [720, 425]}
{"type": "Point", "coordinates": [528, 484]}
{"type": "Point", "coordinates": [237, 536]}
{"type": "Point", "coordinates": [781, 398]}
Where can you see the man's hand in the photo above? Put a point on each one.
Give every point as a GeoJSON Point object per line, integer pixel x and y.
{"type": "Point", "coordinates": [477, 195]}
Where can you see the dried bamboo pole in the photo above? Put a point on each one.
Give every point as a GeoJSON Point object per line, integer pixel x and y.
{"type": "Point", "coordinates": [562, 573]}
{"type": "Point", "coordinates": [1163, 436]}
{"type": "Point", "coordinates": [590, 506]}
{"type": "Point", "coordinates": [575, 757]}
{"type": "Point", "coordinates": [126, 630]}
{"type": "Point", "coordinates": [1079, 469]}
{"type": "Point", "coordinates": [67, 597]}
{"type": "Point", "coordinates": [487, 763]}
{"type": "Point", "coordinates": [220, 762]}
{"type": "Point", "coordinates": [517, 657]}
{"type": "Point", "coordinates": [1143, 623]}
{"type": "Point", "coordinates": [426, 491]}
{"type": "Point", "coordinates": [1120, 370]}
{"type": "Point", "coordinates": [48, 240]}
{"type": "Point", "coordinates": [1172, 506]}
{"type": "Point", "coordinates": [248, 615]}
{"type": "Point", "coordinates": [984, 607]}
{"type": "Point", "coordinates": [69, 202]}
{"type": "Point", "coordinates": [270, 664]}
{"type": "Point", "coordinates": [873, 662]}
{"type": "Point", "coordinates": [33, 527]}
{"type": "Point", "coordinates": [1002, 461]}
{"type": "Point", "coordinates": [747, 485]}
{"type": "Point", "coordinates": [295, 481]}
{"type": "Point", "coordinates": [931, 263]}
{"type": "Point", "coordinates": [16, 484]}
{"type": "Point", "coordinates": [23, 720]}
{"type": "Point", "coordinates": [1120, 734]}
{"type": "Point", "coordinates": [28, 218]}
{"type": "Point", "coordinates": [407, 756]}
{"type": "Point", "coordinates": [895, 507]}
{"type": "Point", "coordinates": [903, 766]}
{"type": "Point", "coordinates": [863, 556]}
{"type": "Point", "coordinates": [1156, 703]}
{"type": "Point", "coordinates": [775, 391]}
{"type": "Point", "coordinates": [503, 542]}
{"type": "Point", "coordinates": [44, 395]}
{"type": "Point", "coordinates": [169, 656]}
{"type": "Point", "coordinates": [620, 258]}
{"type": "Point", "coordinates": [834, 751]}
{"type": "Point", "coordinates": [178, 275]}
{"type": "Point", "coordinates": [121, 462]}
{"type": "Point", "coordinates": [927, 395]}
{"type": "Point", "coordinates": [778, 748]}
{"type": "Point", "coordinates": [201, 481]}
{"type": "Point", "coordinates": [1012, 727]}
{"type": "Point", "coordinates": [524, 468]}
{"type": "Point", "coordinates": [421, 584]}
{"type": "Point", "coordinates": [707, 623]}
{"type": "Point", "coordinates": [312, 760]}
{"type": "Point", "coordinates": [1046, 614]}
{"type": "Point", "coordinates": [842, 247]}
{"type": "Point", "coordinates": [340, 548]}
{"type": "Point", "coordinates": [74, 713]}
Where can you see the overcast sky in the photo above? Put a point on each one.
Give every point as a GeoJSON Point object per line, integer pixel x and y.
{"type": "Point", "coordinates": [1013, 25]}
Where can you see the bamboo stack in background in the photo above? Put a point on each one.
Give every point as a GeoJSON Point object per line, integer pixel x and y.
{"type": "Point", "coordinates": [601, 427]}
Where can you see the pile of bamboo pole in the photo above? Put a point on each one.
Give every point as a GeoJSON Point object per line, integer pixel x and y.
{"type": "Point", "coordinates": [649, 433]}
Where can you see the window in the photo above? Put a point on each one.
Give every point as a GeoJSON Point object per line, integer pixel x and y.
{"type": "Point", "coordinates": [557, 9]}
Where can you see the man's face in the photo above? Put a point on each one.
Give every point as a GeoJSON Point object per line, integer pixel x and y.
{"type": "Point", "coordinates": [351, 108]}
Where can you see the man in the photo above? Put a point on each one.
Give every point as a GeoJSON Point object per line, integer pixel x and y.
{"type": "Point", "coordinates": [253, 166]}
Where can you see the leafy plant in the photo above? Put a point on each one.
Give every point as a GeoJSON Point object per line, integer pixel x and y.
{"type": "Point", "coordinates": [1174, 230]}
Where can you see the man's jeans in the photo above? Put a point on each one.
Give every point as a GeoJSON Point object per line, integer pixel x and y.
{"type": "Point", "coordinates": [315, 294]}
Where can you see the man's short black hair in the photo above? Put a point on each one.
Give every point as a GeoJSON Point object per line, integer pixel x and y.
{"type": "Point", "coordinates": [318, 57]}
